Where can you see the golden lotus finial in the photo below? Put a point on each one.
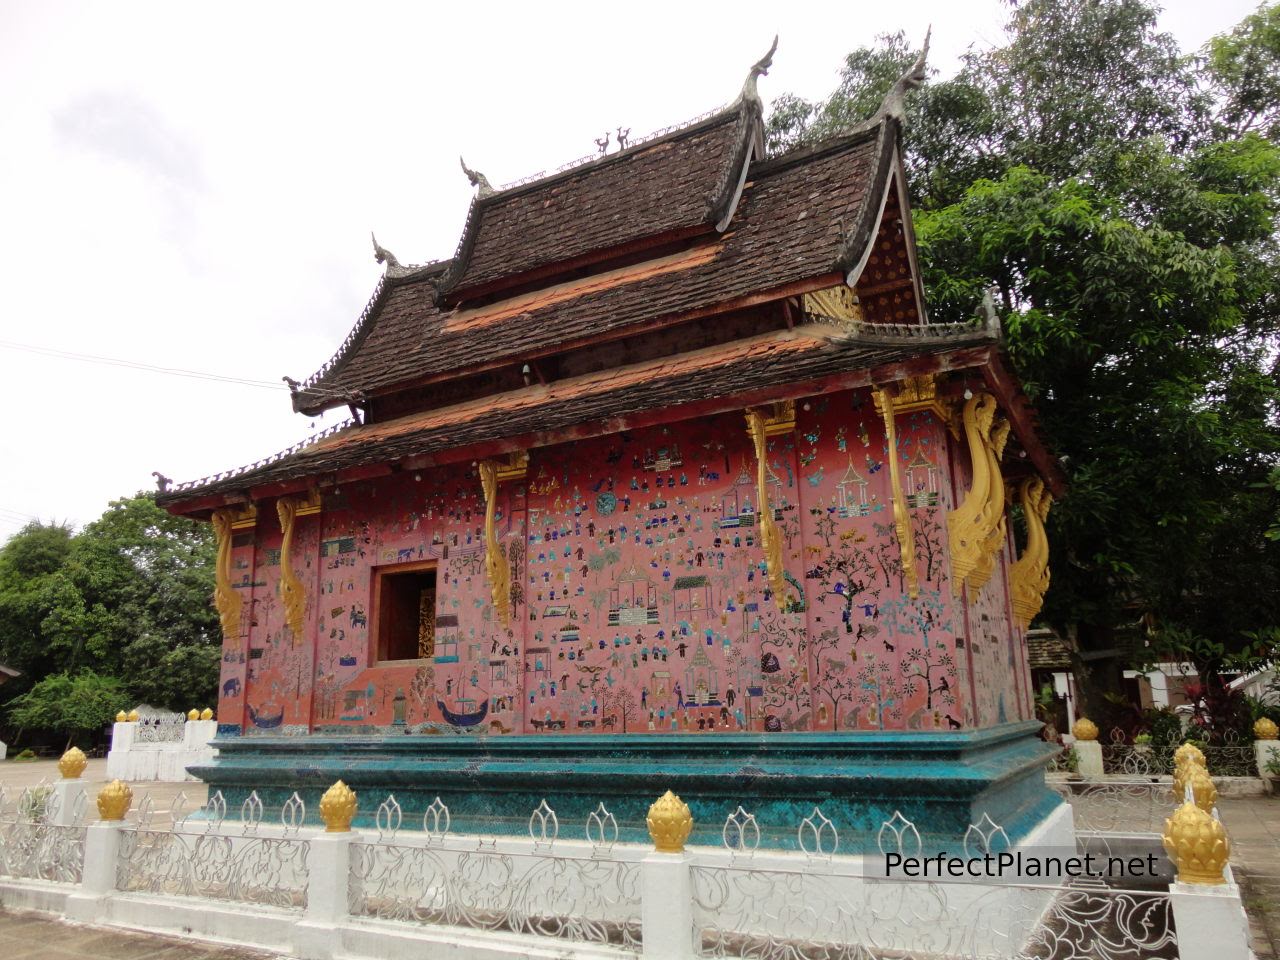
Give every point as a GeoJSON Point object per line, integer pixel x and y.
{"type": "Point", "coordinates": [1085, 729]}
{"type": "Point", "coordinates": [72, 764]}
{"type": "Point", "coordinates": [132, 716]}
{"type": "Point", "coordinates": [114, 800]}
{"type": "Point", "coordinates": [206, 714]}
{"type": "Point", "coordinates": [670, 823]}
{"type": "Point", "coordinates": [122, 717]}
{"type": "Point", "coordinates": [338, 808]}
{"type": "Point", "coordinates": [193, 714]}
{"type": "Point", "coordinates": [1202, 787]}
{"type": "Point", "coordinates": [1189, 753]}
{"type": "Point", "coordinates": [1266, 729]}
{"type": "Point", "coordinates": [1197, 844]}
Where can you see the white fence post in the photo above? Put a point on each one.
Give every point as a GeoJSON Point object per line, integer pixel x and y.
{"type": "Point", "coordinates": [1090, 754]}
{"type": "Point", "coordinates": [666, 906]}
{"type": "Point", "coordinates": [101, 852]}
{"type": "Point", "coordinates": [1210, 921]}
{"type": "Point", "coordinates": [328, 876]}
{"type": "Point", "coordinates": [68, 794]}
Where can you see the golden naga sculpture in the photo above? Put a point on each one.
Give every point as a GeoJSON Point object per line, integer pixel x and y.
{"type": "Point", "coordinates": [338, 808]}
{"type": "Point", "coordinates": [884, 401]}
{"type": "Point", "coordinates": [72, 764]}
{"type": "Point", "coordinates": [1266, 729]}
{"type": "Point", "coordinates": [291, 591]}
{"type": "Point", "coordinates": [225, 597]}
{"type": "Point", "coordinates": [1085, 729]}
{"type": "Point", "coordinates": [993, 517]}
{"type": "Point", "coordinates": [670, 823]}
{"type": "Point", "coordinates": [1197, 844]}
{"type": "Point", "coordinates": [758, 427]}
{"type": "Point", "coordinates": [1029, 575]}
{"type": "Point", "coordinates": [114, 800]}
{"type": "Point", "coordinates": [967, 529]}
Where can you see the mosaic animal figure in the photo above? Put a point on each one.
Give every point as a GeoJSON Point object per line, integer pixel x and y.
{"type": "Point", "coordinates": [231, 688]}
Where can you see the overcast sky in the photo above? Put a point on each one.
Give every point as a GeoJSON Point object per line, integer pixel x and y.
{"type": "Point", "coordinates": [193, 186]}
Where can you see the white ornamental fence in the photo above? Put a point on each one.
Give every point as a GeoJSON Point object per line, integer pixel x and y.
{"type": "Point", "coordinates": [410, 889]}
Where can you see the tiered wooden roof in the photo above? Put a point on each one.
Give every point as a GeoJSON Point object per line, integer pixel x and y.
{"type": "Point", "coordinates": [662, 281]}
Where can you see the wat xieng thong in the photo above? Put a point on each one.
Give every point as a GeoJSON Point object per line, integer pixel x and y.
{"type": "Point", "coordinates": [663, 480]}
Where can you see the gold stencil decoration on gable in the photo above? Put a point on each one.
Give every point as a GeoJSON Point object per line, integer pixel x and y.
{"type": "Point", "coordinates": [496, 565]}
{"type": "Point", "coordinates": [884, 401]}
{"type": "Point", "coordinates": [920, 394]}
{"type": "Point", "coordinates": [993, 517]}
{"type": "Point", "coordinates": [967, 528]}
{"type": "Point", "coordinates": [291, 591]}
{"type": "Point", "coordinates": [1029, 576]}
{"type": "Point", "coordinates": [225, 598]}
{"type": "Point", "coordinates": [836, 303]}
{"type": "Point", "coordinates": [759, 426]}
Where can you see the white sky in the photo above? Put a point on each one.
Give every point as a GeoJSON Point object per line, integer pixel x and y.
{"type": "Point", "coordinates": [193, 185]}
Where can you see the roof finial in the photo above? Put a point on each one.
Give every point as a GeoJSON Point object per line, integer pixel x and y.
{"type": "Point", "coordinates": [759, 69]}
{"type": "Point", "coordinates": [603, 145]}
{"type": "Point", "coordinates": [477, 179]}
{"type": "Point", "coordinates": [895, 101]}
{"type": "Point", "coordinates": [382, 254]}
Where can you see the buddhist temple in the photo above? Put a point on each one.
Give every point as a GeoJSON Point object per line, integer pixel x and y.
{"type": "Point", "coordinates": [663, 479]}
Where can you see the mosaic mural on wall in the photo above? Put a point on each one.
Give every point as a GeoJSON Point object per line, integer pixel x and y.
{"type": "Point", "coordinates": [641, 601]}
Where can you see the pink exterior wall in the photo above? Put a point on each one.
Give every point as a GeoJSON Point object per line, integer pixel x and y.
{"type": "Point", "coordinates": [641, 599]}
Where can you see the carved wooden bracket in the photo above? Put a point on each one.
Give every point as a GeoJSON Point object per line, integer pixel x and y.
{"type": "Point", "coordinates": [760, 426]}
{"type": "Point", "coordinates": [225, 598]}
{"type": "Point", "coordinates": [292, 593]}
{"type": "Point", "coordinates": [1029, 576]}
{"type": "Point", "coordinates": [886, 403]}
{"type": "Point", "coordinates": [497, 567]}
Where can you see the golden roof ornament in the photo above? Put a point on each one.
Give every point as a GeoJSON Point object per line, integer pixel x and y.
{"type": "Point", "coordinates": [1266, 729]}
{"type": "Point", "coordinates": [114, 800]}
{"type": "Point", "coordinates": [338, 808]}
{"type": "Point", "coordinates": [206, 713]}
{"type": "Point", "coordinates": [193, 714]}
{"type": "Point", "coordinates": [670, 823]}
{"type": "Point", "coordinates": [1085, 729]}
{"type": "Point", "coordinates": [1197, 844]}
{"type": "Point", "coordinates": [1189, 752]}
{"type": "Point", "coordinates": [72, 764]}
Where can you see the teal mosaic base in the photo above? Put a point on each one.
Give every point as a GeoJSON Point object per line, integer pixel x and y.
{"type": "Point", "coordinates": [942, 782]}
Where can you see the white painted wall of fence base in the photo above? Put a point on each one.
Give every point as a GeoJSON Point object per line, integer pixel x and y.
{"type": "Point", "coordinates": [132, 759]}
{"type": "Point", "coordinates": [1263, 751]}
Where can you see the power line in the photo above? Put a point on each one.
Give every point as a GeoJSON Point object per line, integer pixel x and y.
{"type": "Point", "coordinates": [136, 365]}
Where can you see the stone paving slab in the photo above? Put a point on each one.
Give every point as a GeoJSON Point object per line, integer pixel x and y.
{"type": "Point", "coordinates": [1253, 824]}
{"type": "Point", "coordinates": [31, 936]}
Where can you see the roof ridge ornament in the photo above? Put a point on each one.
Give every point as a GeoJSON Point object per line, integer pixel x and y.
{"type": "Point", "coordinates": [895, 101]}
{"type": "Point", "coordinates": [478, 179]}
{"type": "Point", "coordinates": [758, 69]}
{"type": "Point", "coordinates": [382, 254]}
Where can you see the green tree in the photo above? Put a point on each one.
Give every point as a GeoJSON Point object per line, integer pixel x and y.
{"type": "Point", "coordinates": [1122, 198]}
{"type": "Point", "coordinates": [126, 597]}
{"type": "Point", "coordinates": [69, 704]}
